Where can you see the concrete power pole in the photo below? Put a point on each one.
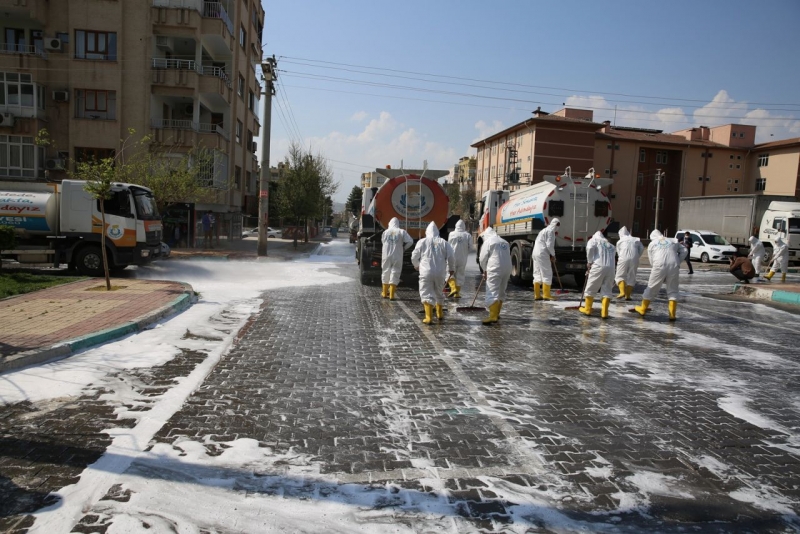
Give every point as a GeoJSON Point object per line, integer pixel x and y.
{"type": "Point", "coordinates": [269, 76]}
{"type": "Point", "coordinates": [659, 177]}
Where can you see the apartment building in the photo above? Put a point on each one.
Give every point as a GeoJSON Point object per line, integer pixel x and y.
{"type": "Point", "coordinates": [465, 172]}
{"type": "Point", "coordinates": [182, 71]}
{"type": "Point", "coordinates": [775, 167]}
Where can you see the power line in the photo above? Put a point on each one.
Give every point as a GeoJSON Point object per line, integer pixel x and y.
{"type": "Point", "coordinates": [285, 96]}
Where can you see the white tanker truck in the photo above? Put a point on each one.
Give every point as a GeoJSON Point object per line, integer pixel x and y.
{"type": "Point", "coordinates": [518, 216]}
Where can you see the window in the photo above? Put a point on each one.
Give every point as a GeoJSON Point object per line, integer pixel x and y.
{"type": "Point", "coordinates": [251, 101]}
{"type": "Point", "coordinates": [763, 160]}
{"type": "Point", "coordinates": [607, 171]}
{"type": "Point", "coordinates": [738, 166]}
{"type": "Point", "coordinates": [661, 156]}
{"type": "Point", "coordinates": [95, 45]}
{"type": "Point", "coordinates": [242, 36]}
{"type": "Point", "coordinates": [17, 89]}
{"type": "Point", "coordinates": [638, 203]}
{"type": "Point", "coordinates": [730, 166]}
{"type": "Point", "coordinates": [739, 156]}
{"type": "Point", "coordinates": [237, 177]}
{"type": "Point", "coordinates": [736, 181]}
{"type": "Point", "coordinates": [15, 40]}
{"type": "Point", "coordinates": [761, 184]}
{"type": "Point", "coordinates": [642, 155]}
{"type": "Point", "coordinates": [635, 227]}
{"type": "Point", "coordinates": [17, 156]}
{"type": "Point", "coordinates": [733, 134]}
{"type": "Point", "coordinates": [660, 204]}
{"type": "Point", "coordinates": [741, 135]}
{"type": "Point", "coordinates": [239, 128]}
{"type": "Point", "coordinates": [640, 179]}
{"type": "Point", "coordinates": [731, 156]}
{"type": "Point", "coordinates": [779, 225]}
{"type": "Point", "coordinates": [250, 146]}
{"type": "Point", "coordinates": [92, 104]}
{"type": "Point", "coordinates": [118, 204]}
{"type": "Point", "coordinates": [83, 154]}
{"type": "Point", "coordinates": [240, 87]}
{"type": "Point", "coordinates": [706, 155]}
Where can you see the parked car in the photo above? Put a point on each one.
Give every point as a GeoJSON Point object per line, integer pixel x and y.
{"type": "Point", "coordinates": [253, 232]}
{"type": "Point", "coordinates": [708, 246]}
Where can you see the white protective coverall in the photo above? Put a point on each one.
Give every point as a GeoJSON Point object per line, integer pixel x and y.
{"type": "Point", "coordinates": [395, 241]}
{"type": "Point", "coordinates": [496, 263]}
{"type": "Point", "coordinates": [756, 254]}
{"type": "Point", "coordinates": [434, 258]}
{"type": "Point", "coordinates": [629, 251]}
{"type": "Point", "coordinates": [543, 249]}
{"type": "Point", "coordinates": [780, 258]}
{"type": "Point", "coordinates": [665, 256]}
{"type": "Point", "coordinates": [459, 240]}
{"type": "Point", "coordinates": [600, 254]}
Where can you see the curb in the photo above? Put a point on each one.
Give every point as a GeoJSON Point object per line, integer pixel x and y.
{"type": "Point", "coordinates": [774, 295]}
{"type": "Point", "coordinates": [67, 348]}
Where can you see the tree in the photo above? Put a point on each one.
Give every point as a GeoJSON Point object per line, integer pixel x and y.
{"type": "Point", "coordinates": [454, 193]}
{"type": "Point", "coordinates": [353, 204]}
{"type": "Point", "coordinates": [8, 240]}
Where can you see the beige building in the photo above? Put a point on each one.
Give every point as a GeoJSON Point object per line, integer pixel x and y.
{"type": "Point", "coordinates": [183, 71]}
{"type": "Point", "coordinates": [775, 167]}
{"type": "Point", "coordinates": [465, 172]}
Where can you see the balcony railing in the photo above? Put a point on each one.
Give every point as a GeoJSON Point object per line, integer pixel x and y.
{"type": "Point", "coordinates": [28, 50]}
{"type": "Point", "coordinates": [190, 64]}
{"type": "Point", "coordinates": [214, 10]}
{"type": "Point", "coordinates": [200, 127]}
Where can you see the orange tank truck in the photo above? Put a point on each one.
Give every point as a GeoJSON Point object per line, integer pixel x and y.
{"type": "Point", "coordinates": [416, 198]}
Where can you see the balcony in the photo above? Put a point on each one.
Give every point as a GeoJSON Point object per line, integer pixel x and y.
{"type": "Point", "coordinates": [215, 10]}
{"type": "Point", "coordinates": [187, 133]}
{"type": "Point", "coordinates": [209, 16]}
{"type": "Point", "coordinates": [14, 56]}
{"type": "Point", "coordinates": [183, 74]}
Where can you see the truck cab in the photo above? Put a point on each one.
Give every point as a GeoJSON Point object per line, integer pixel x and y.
{"type": "Point", "coordinates": [782, 219]}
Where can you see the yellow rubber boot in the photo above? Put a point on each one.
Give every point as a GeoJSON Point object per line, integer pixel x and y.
{"type": "Point", "coordinates": [494, 312]}
{"type": "Point", "coordinates": [622, 291]}
{"type": "Point", "coordinates": [428, 313]}
{"type": "Point", "coordinates": [392, 289]}
{"type": "Point", "coordinates": [439, 312]}
{"type": "Point", "coordinates": [604, 309]}
{"type": "Point", "coordinates": [546, 292]}
{"type": "Point", "coordinates": [673, 309]}
{"type": "Point", "coordinates": [385, 291]}
{"type": "Point", "coordinates": [783, 277]}
{"type": "Point", "coordinates": [537, 291]}
{"type": "Point", "coordinates": [458, 293]}
{"type": "Point", "coordinates": [642, 309]}
{"type": "Point", "coordinates": [587, 307]}
{"type": "Point", "coordinates": [769, 275]}
{"type": "Point", "coordinates": [628, 292]}
{"type": "Point", "coordinates": [499, 308]}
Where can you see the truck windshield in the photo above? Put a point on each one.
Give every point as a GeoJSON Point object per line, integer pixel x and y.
{"type": "Point", "coordinates": [713, 239]}
{"type": "Point", "coordinates": [794, 226]}
{"type": "Point", "coordinates": [145, 205]}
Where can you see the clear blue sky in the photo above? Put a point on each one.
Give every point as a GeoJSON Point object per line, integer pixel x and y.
{"type": "Point", "coordinates": [710, 62]}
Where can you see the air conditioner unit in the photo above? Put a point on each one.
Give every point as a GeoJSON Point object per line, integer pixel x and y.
{"type": "Point", "coordinates": [188, 109]}
{"type": "Point", "coordinates": [61, 96]}
{"type": "Point", "coordinates": [53, 43]}
{"type": "Point", "coordinates": [54, 164]}
{"type": "Point", "coordinates": [6, 120]}
{"type": "Point", "coordinates": [164, 43]}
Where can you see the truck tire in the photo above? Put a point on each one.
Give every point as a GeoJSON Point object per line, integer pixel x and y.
{"type": "Point", "coordinates": [89, 261]}
{"type": "Point", "coordinates": [516, 266]}
{"type": "Point", "coordinates": [367, 277]}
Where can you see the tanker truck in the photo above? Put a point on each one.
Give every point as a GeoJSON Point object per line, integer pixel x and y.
{"type": "Point", "coordinates": [416, 199]}
{"type": "Point", "coordinates": [518, 216]}
{"type": "Point", "coordinates": [60, 223]}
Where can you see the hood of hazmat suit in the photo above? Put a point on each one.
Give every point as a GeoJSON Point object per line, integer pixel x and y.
{"type": "Point", "coordinates": [756, 246]}
{"type": "Point", "coordinates": [545, 243]}
{"type": "Point", "coordinates": [460, 226]}
{"type": "Point", "coordinates": [495, 261]}
{"type": "Point", "coordinates": [395, 240]}
{"type": "Point", "coordinates": [460, 239]}
{"type": "Point", "coordinates": [623, 232]}
{"type": "Point", "coordinates": [629, 248]}
{"type": "Point", "coordinates": [434, 258]}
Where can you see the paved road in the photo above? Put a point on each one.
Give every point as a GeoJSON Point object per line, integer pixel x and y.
{"type": "Point", "coordinates": [548, 420]}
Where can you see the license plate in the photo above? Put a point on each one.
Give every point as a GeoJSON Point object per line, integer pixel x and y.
{"type": "Point", "coordinates": [576, 266]}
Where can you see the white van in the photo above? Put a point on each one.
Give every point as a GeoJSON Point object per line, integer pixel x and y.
{"type": "Point", "coordinates": [708, 246]}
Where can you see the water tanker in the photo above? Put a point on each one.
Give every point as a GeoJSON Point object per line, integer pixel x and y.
{"type": "Point", "coordinates": [518, 216]}
{"type": "Point", "coordinates": [59, 223]}
{"type": "Point", "coordinates": [416, 199]}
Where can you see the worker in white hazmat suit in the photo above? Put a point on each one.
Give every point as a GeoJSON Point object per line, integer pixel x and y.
{"type": "Point", "coordinates": [395, 241]}
{"type": "Point", "coordinates": [433, 257]}
{"type": "Point", "coordinates": [665, 257]}
{"type": "Point", "coordinates": [756, 254]}
{"type": "Point", "coordinates": [495, 261]}
{"type": "Point", "coordinates": [780, 260]}
{"type": "Point", "coordinates": [600, 257]}
{"type": "Point", "coordinates": [459, 240]}
{"type": "Point", "coordinates": [544, 252]}
{"type": "Point", "coordinates": [629, 251]}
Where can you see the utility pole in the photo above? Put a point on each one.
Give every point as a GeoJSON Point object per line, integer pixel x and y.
{"type": "Point", "coordinates": [268, 67]}
{"type": "Point", "coordinates": [659, 177]}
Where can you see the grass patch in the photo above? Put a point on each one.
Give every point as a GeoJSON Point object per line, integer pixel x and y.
{"type": "Point", "coordinates": [18, 283]}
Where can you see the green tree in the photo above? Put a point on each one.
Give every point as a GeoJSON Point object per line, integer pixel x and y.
{"type": "Point", "coordinates": [353, 204]}
{"type": "Point", "coordinates": [8, 240]}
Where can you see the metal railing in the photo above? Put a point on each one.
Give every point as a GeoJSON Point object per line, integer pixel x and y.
{"type": "Point", "coordinates": [199, 127]}
{"type": "Point", "coordinates": [214, 10]}
{"type": "Point", "coordinates": [217, 72]}
{"type": "Point", "coordinates": [187, 4]}
{"type": "Point", "coordinates": [28, 50]}
{"type": "Point", "coordinates": [190, 64]}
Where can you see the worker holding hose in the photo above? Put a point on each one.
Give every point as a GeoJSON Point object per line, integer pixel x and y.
{"type": "Point", "coordinates": [495, 261]}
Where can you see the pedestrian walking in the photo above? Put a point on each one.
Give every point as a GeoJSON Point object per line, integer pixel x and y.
{"type": "Point", "coordinates": [742, 268]}
{"type": "Point", "coordinates": [544, 253]}
{"type": "Point", "coordinates": [433, 258]}
{"type": "Point", "coordinates": [395, 241]}
{"type": "Point", "coordinates": [629, 252]}
{"type": "Point", "coordinates": [459, 240]}
{"type": "Point", "coordinates": [780, 260]}
{"type": "Point", "coordinates": [600, 257]}
{"type": "Point", "coordinates": [208, 224]}
{"type": "Point", "coordinates": [687, 242]}
{"type": "Point", "coordinates": [495, 261]}
{"type": "Point", "coordinates": [756, 254]}
{"type": "Point", "coordinates": [665, 256]}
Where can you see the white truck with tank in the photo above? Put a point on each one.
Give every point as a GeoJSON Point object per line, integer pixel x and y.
{"type": "Point", "coordinates": [416, 199]}
{"type": "Point", "coordinates": [738, 217]}
{"type": "Point", "coordinates": [517, 216]}
{"type": "Point", "coordinates": [60, 223]}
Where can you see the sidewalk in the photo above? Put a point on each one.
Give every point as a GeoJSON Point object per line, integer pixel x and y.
{"type": "Point", "coordinates": [53, 323]}
{"type": "Point", "coordinates": [771, 291]}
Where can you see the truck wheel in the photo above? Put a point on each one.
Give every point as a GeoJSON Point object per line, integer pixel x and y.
{"type": "Point", "coordinates": [516, 266]}
{"type": "Point", "coordinates": [580, 279]}
{"type": "Point", "coordinates": [89, 261]}
{"type": "Point", "coordinates": [704, 257]}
